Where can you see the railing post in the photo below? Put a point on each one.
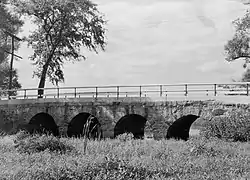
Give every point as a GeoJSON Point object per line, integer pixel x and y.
{"type": "Point", "coordinates": [215, 91]}
{"type": "Point", "coordinates": [186, 89]}
{"type": "Point", "coordinates": [117, 91]}
{"type": "Point", "coordinates": [25, 94]}
{"type": "Point", "coordinates": [247, 89]}
{"type": "Point", "coordinates": [161, 90]}
{"type": "Point", "coordinates": [58, 95]}
{"type": "Point", "coordinates": [9, 94]}
{"type": "Point", "coordinates": [75, 92]}
{"type": "Point", "coordinates": [140, 91]}
{"type": "Point", "coordinates": [96, 92]}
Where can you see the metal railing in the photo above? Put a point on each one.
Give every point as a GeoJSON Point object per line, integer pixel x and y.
{"type": "Point", "coordinates": [161, 90]}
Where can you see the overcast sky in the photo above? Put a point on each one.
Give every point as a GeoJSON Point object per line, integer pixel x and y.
{"type": "Point", "coordinates": [152, 42]}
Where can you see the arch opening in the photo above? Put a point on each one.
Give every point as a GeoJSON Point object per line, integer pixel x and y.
{"type": "Point", "coordinates": [180, 128]}
{"type": "Point", "coordinates": [131, 123]}
{"type": "Point", "coordinates": [43, 123]}
{"type": "Point", "coordinates": [78, 126]}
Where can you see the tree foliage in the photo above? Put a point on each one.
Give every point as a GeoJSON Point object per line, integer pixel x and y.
{"type": "Point", "coordinates": [4, 80]}
{"type": "Point", "coordinates": [8, 22]}
{"type": "Point", "coordinates": [11, 23]}
{"type": "Point", "coordinates": [246, 76]}
{"type": "Point", "coordinates": [238, 46]}
{"type": "Point", "coordinates": [63, 27]}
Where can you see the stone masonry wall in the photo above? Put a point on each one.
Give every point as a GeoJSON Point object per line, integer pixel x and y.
{"type": "Point", "coordinates": [159, 114]}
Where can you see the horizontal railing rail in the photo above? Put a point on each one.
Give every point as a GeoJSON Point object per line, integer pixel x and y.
{"type": "Point", "coordinates": [158, 90]}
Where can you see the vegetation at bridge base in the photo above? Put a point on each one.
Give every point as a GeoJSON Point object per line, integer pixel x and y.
{"type": "Point", "coordinates": [26, 143]}
{"type": "Point", "coordinates": [233, 126]}
{"type": "Point", "coordinates": [125, 158]}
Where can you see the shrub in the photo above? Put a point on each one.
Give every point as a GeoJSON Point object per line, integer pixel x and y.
{"type": "Point", "coordinates": [20, 135]}
{"type": "Point", "coordinates": [125, 137]}
{"type": "Point", "coordinates": [203, 147]}
{"type": "Point", "coordinates": [6, 144]}
{"type": "Point", "coordinates": [26, 143]}
{"type": "Point", "coordinates": [231, 127]}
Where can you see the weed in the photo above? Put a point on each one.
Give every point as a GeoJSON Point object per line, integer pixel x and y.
{"type": "Point", "coordinates": [125, 137]}
{"type": "Point", "coordinates": [36, 143]}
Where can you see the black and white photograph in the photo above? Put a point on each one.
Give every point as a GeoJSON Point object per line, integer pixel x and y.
{"type": "Point", "coordinates": [124, 89]}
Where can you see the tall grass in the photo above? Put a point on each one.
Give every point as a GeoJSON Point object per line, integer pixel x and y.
{"type": "Point", "coordinates": [125, 158]}
{"type": "Point", "coordinates": [87, 131]}
{"type": "Point", "coordinates": [214, 155]}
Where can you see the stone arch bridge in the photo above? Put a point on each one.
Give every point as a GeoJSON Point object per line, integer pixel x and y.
{"type": "Point", "coordinates": [14, 113]}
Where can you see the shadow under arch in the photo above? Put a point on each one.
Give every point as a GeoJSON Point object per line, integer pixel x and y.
{"type": "Point", "coordinates": [131, 123]}
{"type": "Point", "coordinates": [76, 126]}
{"type": "Point", "coordinates": [43, 123]}
{"type": "Point", "coordinates": [180, 128]}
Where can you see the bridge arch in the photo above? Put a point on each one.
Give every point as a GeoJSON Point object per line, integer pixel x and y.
{"type": "Point", "coordinates": [180, 128]}
{"type": "Point", "coordinates": [131, 123]}
{"type": "Point", "coordinates": [43, 123]}
{"type": "Point", "coordinates": [76, 126]}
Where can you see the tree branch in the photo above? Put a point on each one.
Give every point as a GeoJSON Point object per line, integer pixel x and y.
{"type": "Point", "coordinates": [243, 56]}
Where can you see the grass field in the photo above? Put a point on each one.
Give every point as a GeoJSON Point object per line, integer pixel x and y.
{"type": "Point", "coordinates": [49, 158]}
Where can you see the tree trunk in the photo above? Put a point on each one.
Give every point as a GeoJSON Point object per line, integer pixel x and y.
{"type": "Point", "coordinates": [44, 72]}
{"type": "Point", "coordinates": [42, 80]}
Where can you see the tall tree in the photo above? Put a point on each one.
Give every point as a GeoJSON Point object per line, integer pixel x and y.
{"type": "Point", "coordinates": [8, 22]}
{"type": "Point", "coordinates": [63, 27]}
{"type": "Point", "coordinates": [238, 46]}
{"type": "Point", "coordinates": [11, 23]}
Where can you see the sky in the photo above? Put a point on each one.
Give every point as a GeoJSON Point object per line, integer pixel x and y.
{"type": "Point", "coordinates": [153, 42]}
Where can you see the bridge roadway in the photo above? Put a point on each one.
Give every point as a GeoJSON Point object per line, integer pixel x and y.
{"type": "Point", "coordinates": [158, 111]}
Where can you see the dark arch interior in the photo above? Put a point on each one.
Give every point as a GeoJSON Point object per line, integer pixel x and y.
{"type": "Point", "coordinates": [76, 126]}
{"type": "Point", "coordinates": [43, 123]}
{"type": "Point", "coordinates": [180, 128]}
{"type": "Point", "coordinates": [131, 123]}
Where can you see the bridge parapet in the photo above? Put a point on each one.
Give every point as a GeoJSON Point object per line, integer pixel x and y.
{"type": "Point", "coordinates": [158, 90]}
